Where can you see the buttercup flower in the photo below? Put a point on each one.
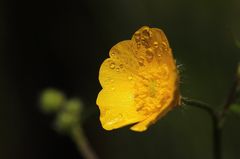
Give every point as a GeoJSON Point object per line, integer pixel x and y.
{"type": "Point", "coordinates": [139, 80]}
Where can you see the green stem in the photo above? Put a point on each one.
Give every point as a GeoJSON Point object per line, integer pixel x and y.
{"type": "Point", "coordinates": [230, 99]}
{"type": "Point", "coordinates": [82, 143]}
{"type": "Point", "coordinates": [215, 122]}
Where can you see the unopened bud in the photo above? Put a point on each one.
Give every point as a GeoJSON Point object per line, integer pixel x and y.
{"type": "Point", "coordinates": [70, 115]}
{"type": "Point", "coordinates": [51, 100]}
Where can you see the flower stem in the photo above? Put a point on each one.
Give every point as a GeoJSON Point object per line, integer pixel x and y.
{"type": "Point", "coordinates": [82, 143]}
{"type": "Point", "coordinates": [230, 99]}
{"type": "Point", "coordinates": [215, 122]}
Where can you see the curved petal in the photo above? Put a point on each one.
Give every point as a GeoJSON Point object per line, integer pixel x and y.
{"type": "Point", "coordinates": [167, 105]}
{"type": "Point", "coordinates": [116, 100]}
{"type": "Point", "coordinates": [139, 81]}
{"type": "Point", "coordinates": [117, 109]}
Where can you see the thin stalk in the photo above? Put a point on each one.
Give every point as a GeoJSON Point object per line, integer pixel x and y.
{"type": "Point", "coordinates": [230, 99]}
{"type": "Point", "coordinates": [82, 143]}
{"type": "Point", "coordinates": [216, 133]}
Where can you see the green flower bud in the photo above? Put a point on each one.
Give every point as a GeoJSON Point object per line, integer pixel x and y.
{"type": "Point", "coordinates": [238, 71]}
{"type": "Point", "coordinates": [237, 42]}
{"type": "Point", "coordinates": [70, 116]}
{"type": "Point", "coordinates": [51, 100]}
{"type": "Point", "coordinates": [65, 121]}
{"type": "Point", "coordinates": [235, 108]}
{"type": "Point", "coordinates": [73, 106]}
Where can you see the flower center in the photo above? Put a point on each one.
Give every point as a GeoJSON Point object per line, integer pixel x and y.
{"type": "Point", "coordinates": [152, 90]}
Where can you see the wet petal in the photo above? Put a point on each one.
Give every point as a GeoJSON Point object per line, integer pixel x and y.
{"type": "Point", "coordinates": [139, 80]}
{"type": "Point", "coordinates": [116, 100]}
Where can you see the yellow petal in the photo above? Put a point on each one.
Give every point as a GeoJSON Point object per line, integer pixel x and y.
{"type": "Point", "coordinates": [167, 106]}
{"type": "Point", "coordinates": [116, 115]}
{"type": "Point", "coordinates": [116, 100]}
{"type": "Point", "coordinates": [143, 125]}
{"type": "Point", "coordinates": [139, 81]}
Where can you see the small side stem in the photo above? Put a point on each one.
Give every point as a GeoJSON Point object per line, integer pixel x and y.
{"type": "Point", "coordinates": [230, 99]}
{"type": "Point", "coordinates": [199, 104]}
{"type": "Point", "coordinates": [82, 143]}
{"type": "Point", "coordinates": [215, 122]}
{"type": "Point", "coordinates": [218, 118]}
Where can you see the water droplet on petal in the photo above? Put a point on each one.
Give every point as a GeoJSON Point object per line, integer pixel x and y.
{"type": "Point", "coordinates": [149, 55]}
{"type": "Point", "coordinates": [141, 61]}
{"type": "Point", "coordinates": [155, 44]}
{"type": "Point", "coordinates": [137, 36]}
{"type": "Point", "coordinates": [130, 77]}
{"type": "Point", "coordinates": [164, 73]}
{"type": "Point", "coordinates": [112, 53]}
{"type": "Point", "coordinates": [146, 32]}
{"type": "Point", "coordinates": [115, 119]}
{"type": "Point", "coordinates": [164, 44]}
{"type": "Point", "coordinates": [119, 117]}
{"type": "Point", "coordinates": [117, 69]}
{"type": "Point", "coordinates": [121, 66]}
{"type": "Point", "coordinates": [138, 45]}
{"type": "Point", "coordinates": [112, 65]}
{"type": "Point", "coordinates": [144, 42]}
{"type": "Point", "coordinates": [159, 54]}
{"type": "Point", "coordinates": [113, 88]}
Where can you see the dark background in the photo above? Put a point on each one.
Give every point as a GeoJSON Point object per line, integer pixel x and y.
{"type": "Point", "coordinates": [62, 44]}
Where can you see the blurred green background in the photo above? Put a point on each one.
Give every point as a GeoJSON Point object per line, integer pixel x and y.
{"type": "Point", "coordinates": [62, 44]}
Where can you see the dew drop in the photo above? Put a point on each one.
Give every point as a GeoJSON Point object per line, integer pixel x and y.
{"type": "Point", "coordinates": [130, 77]}
{"type": "Point", "coordinates": [146, 33]}
{"type": "Point", "coordinates": [112, 65]}
{"type": "Point", "coordinates": [117, 69]}
{"type": "Point", "coordinates": [141, 61]}
{"type": "Point", "coordinates": [116, 119]}
{"type": "Point", "coordinates": [119, 116]}
{"type": "Point", "coordinates": [144, 42]}
{"type": "Point", "coordinates": [113, 88]}
{"type": "Point", "coordinates": [138, 45]}
{"type": "Point", "coordinates": [112, 53]}
{"type": "Point", "coordinates": [155, 44]}
{"type": "Point", "coordinates": [159, 54]}
{"type": "Point", "coordinates": [149, 54]}
{"type": "Point", "coordinates": [164, 73]}
{"type": "Point", "coordinates": [121, 66]}
{"type": "Point", "coordinates": [164, 46]}
{"type": "Point", "coordinates": [137, 36]}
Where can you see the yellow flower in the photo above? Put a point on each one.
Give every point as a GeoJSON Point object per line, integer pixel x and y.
{"type": "Point", "coordinates": [139, 80]}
